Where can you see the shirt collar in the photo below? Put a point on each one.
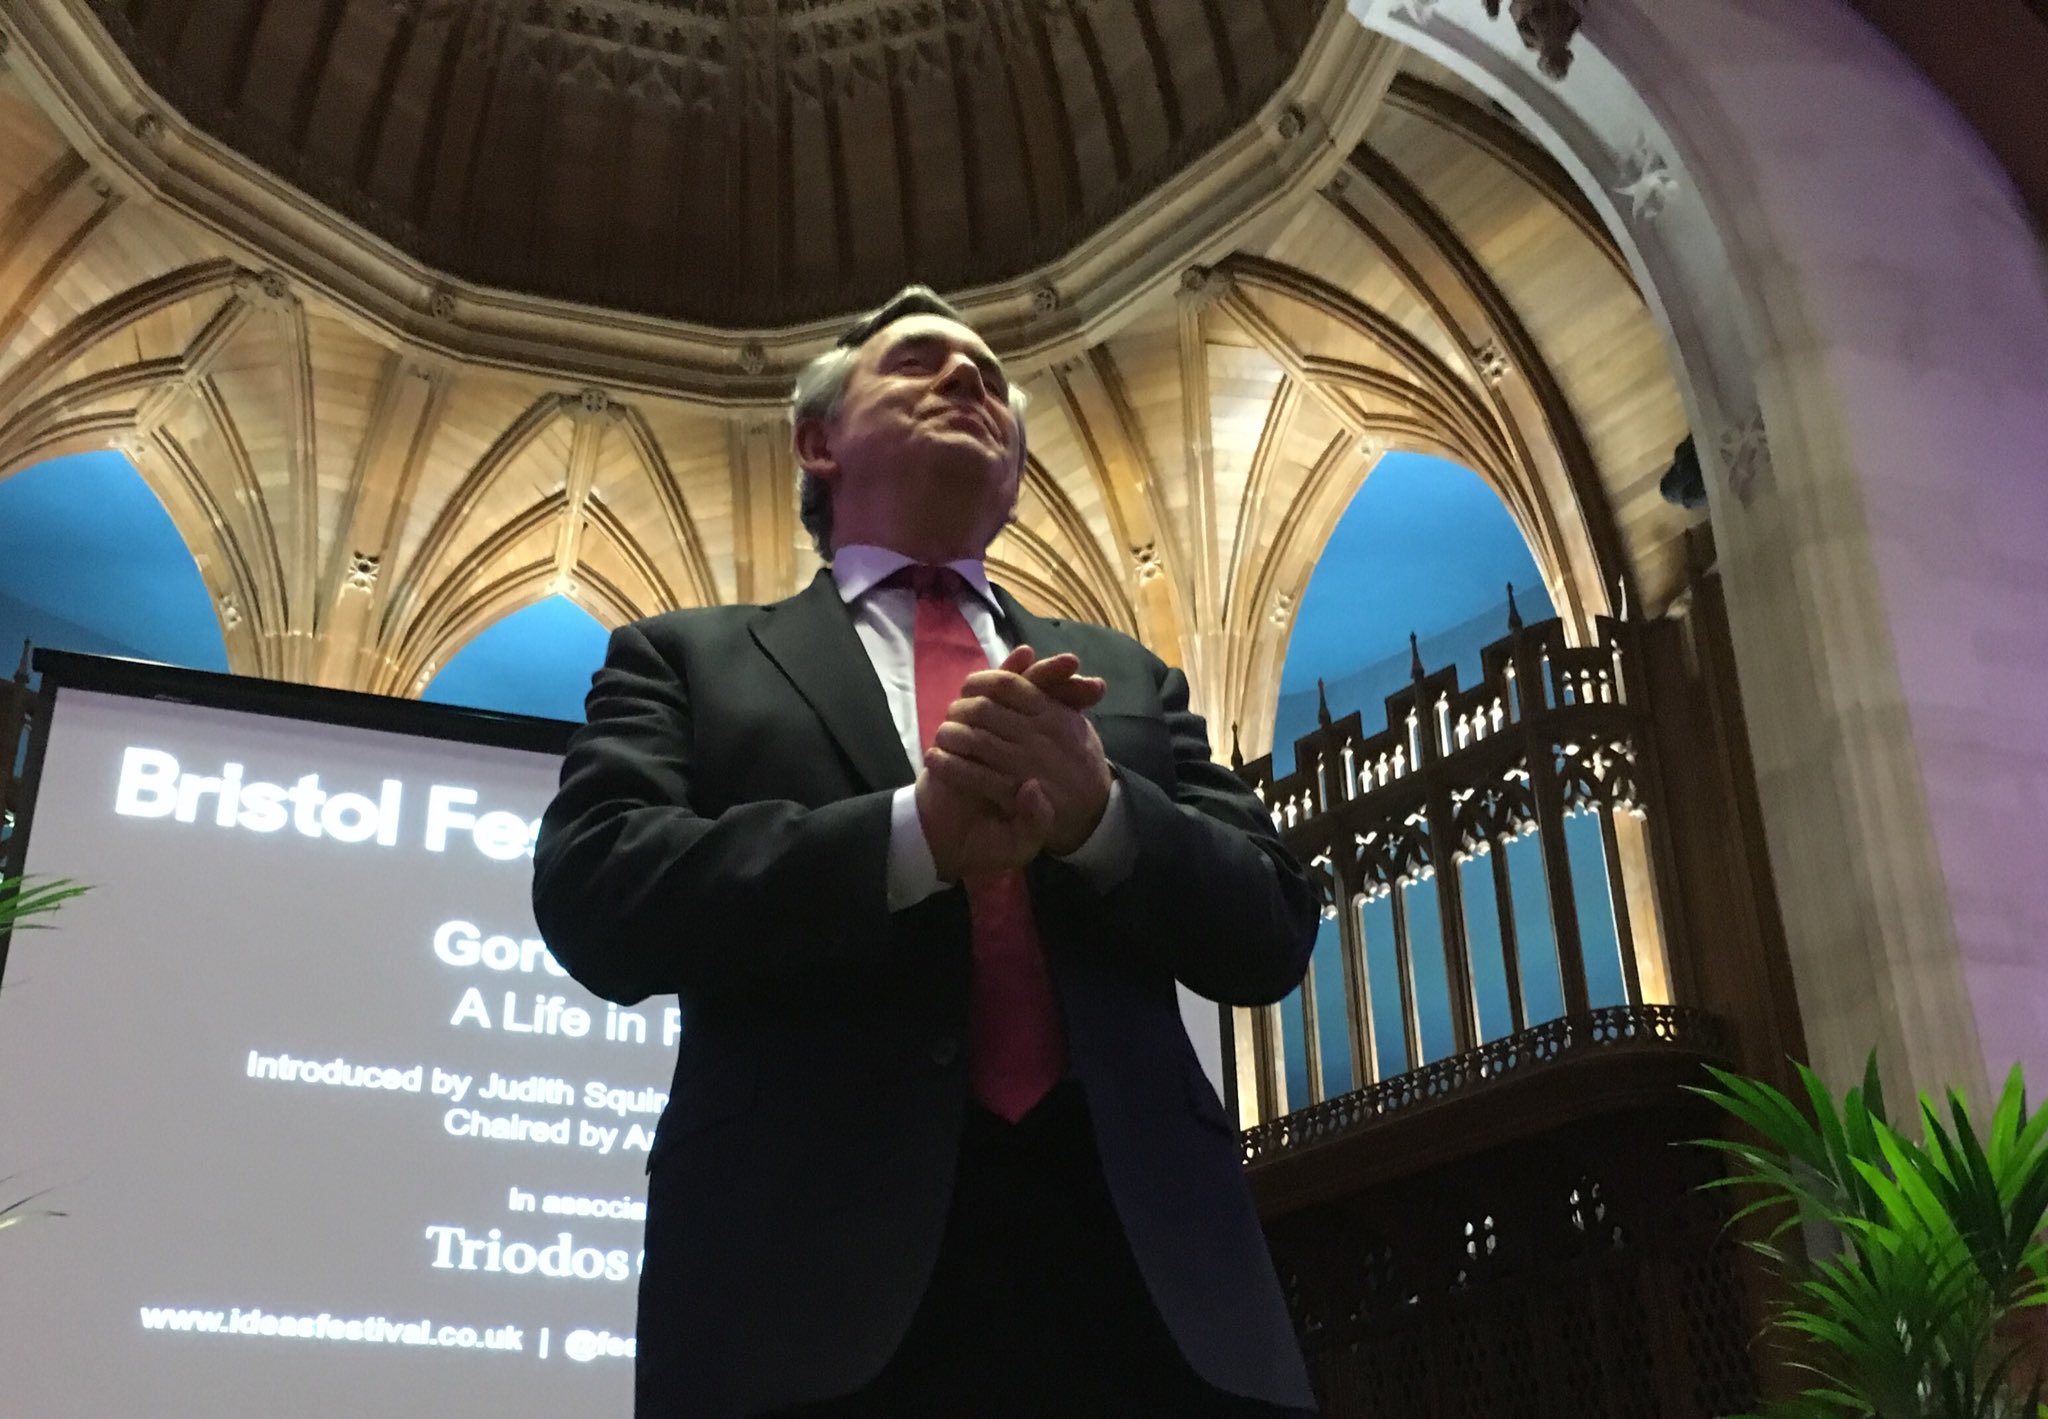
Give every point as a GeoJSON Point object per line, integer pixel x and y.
{"type": "Point", "coordinates": [859, 568]}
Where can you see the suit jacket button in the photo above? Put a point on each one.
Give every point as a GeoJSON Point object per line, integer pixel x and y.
{"type": "Point", "coordinates": [944, 1052]}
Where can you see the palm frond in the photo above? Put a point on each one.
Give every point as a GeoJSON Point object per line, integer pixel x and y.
{"type": "Point", "coordinates": [22, 898]}
{"type": "Point", "coordinates": [19, 1211]}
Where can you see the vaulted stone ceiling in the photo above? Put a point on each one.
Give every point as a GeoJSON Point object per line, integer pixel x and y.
{"type": "Point", "coordinates": [364, 494]}
{"type": "Point", "coordinates": [735, 162]}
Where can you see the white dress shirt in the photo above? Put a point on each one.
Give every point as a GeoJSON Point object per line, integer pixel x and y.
{"type": "Point", "coordinates": [885, 619]}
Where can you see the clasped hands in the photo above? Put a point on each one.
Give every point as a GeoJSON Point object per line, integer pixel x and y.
{"type": "Point", "coordinates": [1016, 769]}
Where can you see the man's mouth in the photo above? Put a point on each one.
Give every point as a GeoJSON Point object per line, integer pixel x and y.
{"type": "Point", "coordinates": [968, 416]}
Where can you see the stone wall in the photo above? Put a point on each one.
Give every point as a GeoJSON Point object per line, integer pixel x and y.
{"type": "Point", "coordinates": [1858, 305]}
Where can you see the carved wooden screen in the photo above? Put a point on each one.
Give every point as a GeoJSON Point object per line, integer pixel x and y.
{"type": "Point", "coordinates": [1579, 1272]}
{"type": "Point", "coordinates": [1455, 782]}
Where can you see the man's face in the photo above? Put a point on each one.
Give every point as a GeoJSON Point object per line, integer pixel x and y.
{"type": "Point", "coordinates": [924, 437]}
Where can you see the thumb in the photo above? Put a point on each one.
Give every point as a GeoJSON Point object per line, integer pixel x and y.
{"type": "Point", "coordinates": [1018, 660]}
{"type": "Point", "coordinates": [1034, 807]}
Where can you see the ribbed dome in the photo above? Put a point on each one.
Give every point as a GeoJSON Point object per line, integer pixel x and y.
{"type": "Point", "coordinates": [745, 163]}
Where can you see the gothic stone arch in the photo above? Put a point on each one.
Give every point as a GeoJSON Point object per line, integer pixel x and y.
{"type": "Point", "coordinates": [1855, 300]}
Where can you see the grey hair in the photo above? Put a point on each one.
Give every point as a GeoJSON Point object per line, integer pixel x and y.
{"type": "Point", "coordinates": [821, 385]}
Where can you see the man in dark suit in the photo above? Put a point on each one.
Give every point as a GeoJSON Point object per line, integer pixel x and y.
{"type": "Point", "coordinates": [938, 1143]}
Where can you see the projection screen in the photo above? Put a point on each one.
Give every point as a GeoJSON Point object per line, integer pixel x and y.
{"type": "Point", "coordinates": [332, 1133]}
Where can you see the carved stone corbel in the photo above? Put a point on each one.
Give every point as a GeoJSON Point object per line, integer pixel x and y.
{"type": "Point", "coordinates": [1203, 286]}
{"type": "Point", "coordinates": [1746, 454]}
{"type": "Point", "coordinates": [1546, 26]}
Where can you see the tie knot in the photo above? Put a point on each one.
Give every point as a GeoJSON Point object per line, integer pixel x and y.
{"type": "Point", "coordinates": [930, 583]}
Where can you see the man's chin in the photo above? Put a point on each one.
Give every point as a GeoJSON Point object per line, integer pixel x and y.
{"type": "Point", "coordinates": [957, 485]}
{"type": "Point", "coordinates": [959, 455]}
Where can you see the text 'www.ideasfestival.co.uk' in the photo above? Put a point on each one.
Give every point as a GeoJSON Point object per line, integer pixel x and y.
{"type": "Point", "coordinates": [360, 1330]}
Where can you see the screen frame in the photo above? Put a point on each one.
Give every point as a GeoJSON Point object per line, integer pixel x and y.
{"type": "Point", "coordinates": [281, 699]}
{"type": "Point", "coordinates": [284, 699]}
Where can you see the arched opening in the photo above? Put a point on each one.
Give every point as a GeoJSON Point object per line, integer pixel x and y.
{"type": "Point", "coordinates": [536, 661]}
{"type": "Point", "coordinates": [91, 561]}
{"type": "Point", "coordinates": [1425, 549]}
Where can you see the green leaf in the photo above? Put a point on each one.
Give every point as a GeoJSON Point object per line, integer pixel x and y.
{"type": "Point", "coordinates": [1873, 1088]}
{"type": "Point", "coordinates": [1828, 1129]}
{"type": "Point", "coordinates": [1973, 1197]}
{"type": "Point", "coordinates": [19, 900]}
{"type": "Point", "coordinates": [1771, 1114]}
{"type": "Point", "coordinates": [2006, 1117]}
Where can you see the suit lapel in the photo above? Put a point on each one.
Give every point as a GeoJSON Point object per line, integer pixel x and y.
{"type": "Point", "coordinates": [810, 637]}
{"type": "Point", "coordinates": [1043, 636]}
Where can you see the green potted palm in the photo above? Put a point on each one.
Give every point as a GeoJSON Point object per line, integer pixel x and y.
{"type": "Point", "coordinates": [1916, 1271]}
{"type": "Point", "coordinates": [20, 902]}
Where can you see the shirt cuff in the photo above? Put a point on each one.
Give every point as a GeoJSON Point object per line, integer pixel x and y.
{"type": "Point", "coordinates": [913, 875]}
{"type": "Point", "coordinates": [1111, 851]}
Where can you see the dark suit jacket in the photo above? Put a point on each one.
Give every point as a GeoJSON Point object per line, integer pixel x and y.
{"type": "Point", "coordinates": [721, 835]}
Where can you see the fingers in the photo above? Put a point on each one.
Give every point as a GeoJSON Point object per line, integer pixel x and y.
{"type": "Point", "coordinates": [1057, 680]}
{"type": "Point", "coordinates": [980, 712]}
{"type": "Point", "coordinates": [988, 748]}
{"type": "Point", "coordinates": [997, 791]}
{"type": "Point", "coordinates": [1005, 687]}
{"type": "Point", "coordinates": [1052, 669]}
{"type": "Point", "coordinates": [1080, 692]}
{"type": "Point", "coordinates": [1013, 715]}
{"type": "Point", "coordinates": [1060, 678]}
{"type": "Point", "coordinates": [1005, 699]}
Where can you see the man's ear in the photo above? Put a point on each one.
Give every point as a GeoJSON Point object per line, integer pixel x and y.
{"type": "Point", "coordinates": [812, 441]}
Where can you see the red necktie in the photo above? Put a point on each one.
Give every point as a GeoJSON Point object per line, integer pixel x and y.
{"type": "Point", "coordinates": [1018, 1049]}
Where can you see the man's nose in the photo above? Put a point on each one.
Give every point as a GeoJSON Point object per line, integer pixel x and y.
{"type": "Point", "coordinates": [961, 375]}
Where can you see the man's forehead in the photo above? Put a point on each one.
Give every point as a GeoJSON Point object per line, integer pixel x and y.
{"type": "Point", "coordinates": [927, 326]}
